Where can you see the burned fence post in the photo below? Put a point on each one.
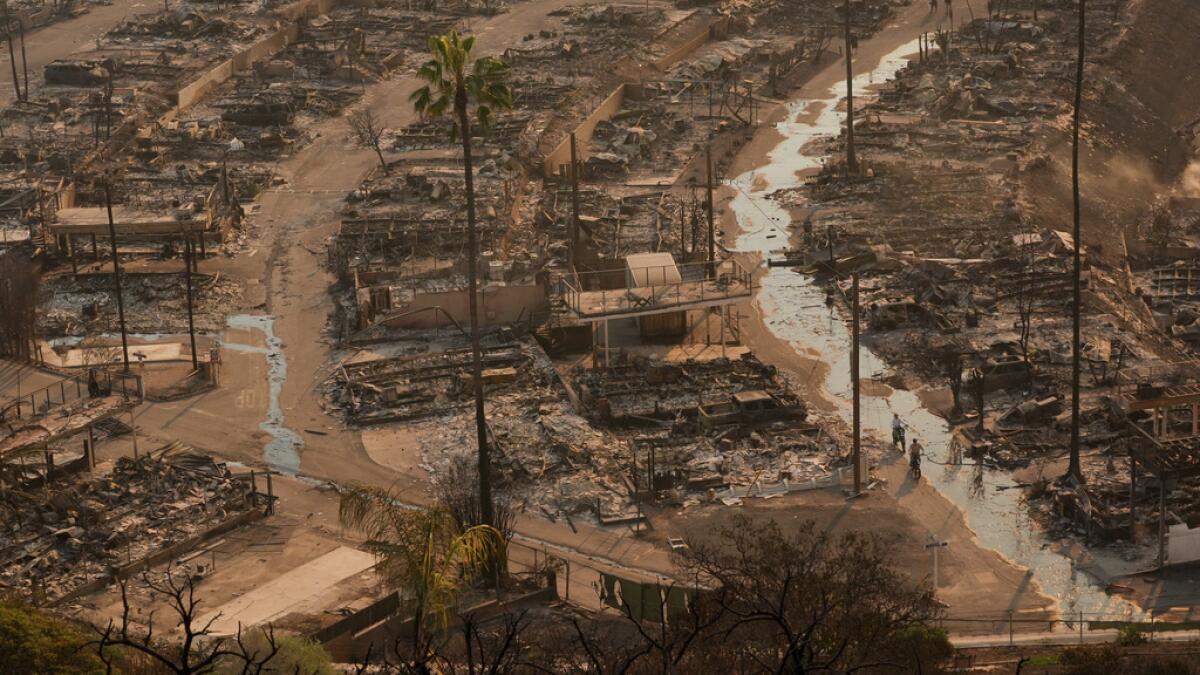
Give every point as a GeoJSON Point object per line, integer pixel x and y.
{"type": "Point", "coordinates": [187, 275]}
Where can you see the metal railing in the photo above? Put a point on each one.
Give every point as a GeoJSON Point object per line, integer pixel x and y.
{"type": "Point", "coordinates": [662, 287]}
{"type": "Point", "coordinates": [1081, 626]}
{"type": "Point", "coordinates": [46, 399]}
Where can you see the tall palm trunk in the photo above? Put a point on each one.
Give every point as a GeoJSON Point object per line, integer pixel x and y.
{"type": "Point", "coordinates": [485, 473]}
{"type": "Point", "coordinates": [851, 157]}
{"type": "Point", "coordinates": [1074, 470]}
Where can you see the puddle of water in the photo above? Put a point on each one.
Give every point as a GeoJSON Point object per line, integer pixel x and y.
{"type": "Point", "coordinates": [795, 311]}
{"type": "Point", "coordinates": [282, 452]}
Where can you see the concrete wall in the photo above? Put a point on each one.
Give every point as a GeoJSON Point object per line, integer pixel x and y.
{"type": "Point", "coordinates": [294, 13]}
{"type": "Point", "coordinates": [1183, 544]}
{"type": "Point", "coordinates": [498, 305]}
{"type": "Point", "coordinates": [307, 8]}
{"type": "Point", "coordinates": [243, 60]}
{"type": "Point", "coordinates": [716, 29]}
{"type": "Point", "coordinates": [583, 133]}
{"type": "Point", "coordinates": [358, 621]}
{"type": "Point", "coordinates": [32, 18]}
{"type": "Point", "coordinates": [352, 647]}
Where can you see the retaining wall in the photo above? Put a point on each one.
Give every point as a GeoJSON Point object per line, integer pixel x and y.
{"type": "Point", "coordinates": [351, 647]}
{"type": "Point", "coordinates": [243, 60]}
{"type": "Point", "coordinates": [498, 305]}
{"type": "Point", "coordinates": [716, 28]}
{"type": "Point", "coordinates": [561, 155]}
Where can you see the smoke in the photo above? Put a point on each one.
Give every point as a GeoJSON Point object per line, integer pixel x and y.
{"type": "Point", "coordinates": [1189, 184]}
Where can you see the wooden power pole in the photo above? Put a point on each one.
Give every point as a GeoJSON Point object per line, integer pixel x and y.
{"type": "Point", "coordinates": [712, 240]}
{"type": "Point", "coordinates": [112, 238]}
{"type": "Point", "coordinates": [12, 56]}
{"type": "Point", "coordinates": [574, 207]}
{"type": "Point", "coordinates": [854, 385]}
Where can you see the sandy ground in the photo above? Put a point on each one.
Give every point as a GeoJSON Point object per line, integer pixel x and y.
{"type": "Point", "coordinates": [61, 38]}
{"type": "Point", "coordinates": [287, 263]}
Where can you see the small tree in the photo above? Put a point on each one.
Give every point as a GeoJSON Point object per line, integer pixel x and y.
{"type": "Point", "coordinates": [194, 650]}
{"type": "Point", "coordinates": [455, 82]}
{"type": "Point", "coordinates": [368, 131]}
{"type": "Point", "coordinates": [421, 551]}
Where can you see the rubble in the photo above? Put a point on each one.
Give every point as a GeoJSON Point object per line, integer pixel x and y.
{"type": "Point", "coordinates": [56, 542]}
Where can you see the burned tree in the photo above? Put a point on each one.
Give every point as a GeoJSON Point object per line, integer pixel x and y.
{"type": "Point", "coordinates": [802, 601]}
{"type": "Point", "coordinates": [977, 381]}
{"type": "Point", "coordinates": [18, 305]}
{"type": "Point", "coordinates": [1024, 301]}
{"type": "Point", "coordinates": [368, 131]}
{"type": "Point", "coordinates": [194, 649]}
{"type": "Point", "coordinates": [456, 493]}
{"type": "Point", "coordinates": [952, 367]}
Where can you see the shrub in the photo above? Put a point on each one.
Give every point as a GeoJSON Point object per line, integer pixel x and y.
{"type": "Point", "coordinates": [32, 641]}
{"type": "Point", "coordinates": [1130, 635]}
{"type": "Point", "coordinates": [296, 655]}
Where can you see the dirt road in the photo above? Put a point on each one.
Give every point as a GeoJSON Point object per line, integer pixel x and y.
{"type": "Point", "coordinates": [61, 38]}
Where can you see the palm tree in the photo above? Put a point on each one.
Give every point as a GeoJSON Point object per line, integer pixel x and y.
{"type": "Point", "coordinates": [454, 83]}
{"type": "Point", "coordinates": [421, 552]}
{"type": "Point", "coordinates": [1073, 470]}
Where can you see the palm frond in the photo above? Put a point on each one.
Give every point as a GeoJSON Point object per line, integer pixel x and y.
{"type": "Point", "coordinates": [419, 551]}
{"type": "Point", "coordinates": [450, 69]}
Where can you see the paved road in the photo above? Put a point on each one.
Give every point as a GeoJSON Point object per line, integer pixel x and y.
{"type": "Point", "coordinates": [64, 37]}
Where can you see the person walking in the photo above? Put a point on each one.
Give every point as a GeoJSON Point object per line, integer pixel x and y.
{"type": "Point", "coordinates": [914, 457]}
{"type": "Point", "coordinates": [897, 432]}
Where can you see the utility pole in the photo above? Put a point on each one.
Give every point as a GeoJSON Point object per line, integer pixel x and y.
{"type": "Point", "coordinates": [108, 94]}
{"type": "Point", "coordinates": [935, 545]}
{"type": "Point", "coordinates": [12, 56]}
{"type": "Point", "coordinates": [851, 158]}
{"type": "Point", "coordinates": [682, 234]}
{"type": "Point", "coordinates": [832, 262]}
{"type": "Point", "coordinates": [712, 241]}
{"type": "Point", "coordinates": [112, 237]}
{"type": "Point", "coordinates": [187, 275]}
{"type": "Point", "coordinates": [574, 206]}
{"type": "Point", "coordinates": [854, 385]}
{"type": "Point", "coordinates": [24, 61]}
{"type": "Point", "coordinates": [1074, 470]}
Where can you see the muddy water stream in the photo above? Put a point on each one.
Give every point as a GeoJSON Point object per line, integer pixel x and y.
{"type": "Point", "coordinates": [282, 452]}
{"type": "Point", "coordinates": [794, 310]}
